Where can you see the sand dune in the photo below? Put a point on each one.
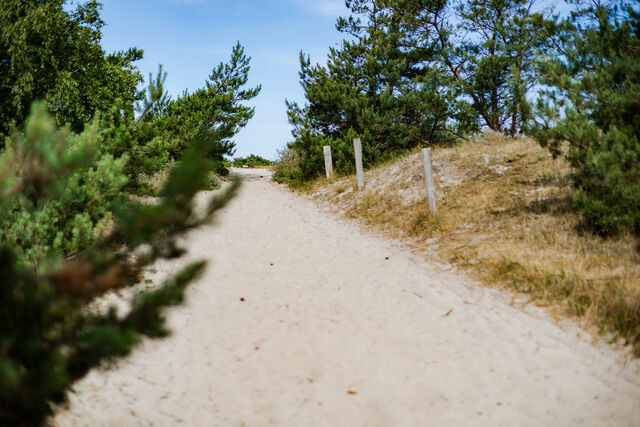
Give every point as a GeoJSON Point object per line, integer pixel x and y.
{"type": "Point", "coordinates": [303, 319]}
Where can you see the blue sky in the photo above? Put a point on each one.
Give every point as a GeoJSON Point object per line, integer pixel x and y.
{"type": "Point", "coordinates": [190, 37]}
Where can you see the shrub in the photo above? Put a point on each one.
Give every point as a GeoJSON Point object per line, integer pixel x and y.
{"type": "Point", "coordinates": [82, 183]}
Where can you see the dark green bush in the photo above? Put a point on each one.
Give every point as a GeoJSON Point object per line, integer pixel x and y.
{"type": "Point", "coordinates": [608, 181]}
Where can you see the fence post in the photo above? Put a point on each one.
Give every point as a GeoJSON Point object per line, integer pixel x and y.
{"type": "Point", "coordinates": [428, 179]}
{"type": "Point", "coordinates": [328, 163]}
{"type": "Point", "coordinates": [357, 148]}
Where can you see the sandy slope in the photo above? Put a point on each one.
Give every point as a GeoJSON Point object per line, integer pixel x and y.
{"type": "Point", "coordinates": [302, 319]}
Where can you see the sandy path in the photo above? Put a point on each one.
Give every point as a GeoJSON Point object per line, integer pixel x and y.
{"type": "Point", "coordinates": [302, 320]}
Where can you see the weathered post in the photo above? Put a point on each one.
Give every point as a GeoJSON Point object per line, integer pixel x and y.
{"type": "Point", "coordinates": [428, 179]}
{"type": "Point", "coordinates": [328, 163]}
{"type": "Point", "coordinates": [357, 149]}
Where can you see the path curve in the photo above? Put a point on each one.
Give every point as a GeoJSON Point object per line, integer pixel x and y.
{"type": "Point", "coordinates": [303, 319]}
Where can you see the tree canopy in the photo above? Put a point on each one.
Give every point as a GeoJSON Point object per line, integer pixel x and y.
{"type": "Point", "coordinates": [50, 54]}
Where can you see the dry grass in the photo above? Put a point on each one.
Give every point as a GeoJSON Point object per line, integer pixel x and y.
{"type": "Point", "coordinates": [156, 182]}
{"type": "Point", "coordinates": [504, 213]}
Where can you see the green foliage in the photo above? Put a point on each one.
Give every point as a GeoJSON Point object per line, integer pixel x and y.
{"type": "Point", "coordinates": [147, 149]}
{"type": "Point", "coordinates": [81, 185]}
{"type": "Point", "coordinates": [48, 336]}
{"type": "Point", "coordinates": [251, 161]}
{"type": "Point", "coordinates": [47, 53]}
{"type": "Point", "coordinates": [592, 101]}
{"type": "Point", "coordinates": [430, 71]}
{"type": "Point", "coordinates": [156, 99]}
{"type": "Point", "coordinates": [140, 139]}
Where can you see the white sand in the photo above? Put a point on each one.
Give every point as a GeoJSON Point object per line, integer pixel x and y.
{"type": "Point", "coordinates": [332, 333]}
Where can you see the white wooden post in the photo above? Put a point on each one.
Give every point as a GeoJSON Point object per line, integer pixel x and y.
{"type": "Point", "coordinates": [328, 163]}
{"type": "Point", "coordinates": [428, 179]}
{"type": "Point", "coordinates": [357, 148]}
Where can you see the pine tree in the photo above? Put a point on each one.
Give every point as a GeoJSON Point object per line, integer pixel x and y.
{"type": "Point", "coordinates": [489, 48]}
{"type": "Point", "coordinates": [156, 99]}
{"type": "Point", "coordinates": [217, 109]}
{"type": "Point", "coordinates": [592, 101]}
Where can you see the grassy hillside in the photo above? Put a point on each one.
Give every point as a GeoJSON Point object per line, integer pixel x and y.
{"type": "Point", "coordinates": [504, 214]}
